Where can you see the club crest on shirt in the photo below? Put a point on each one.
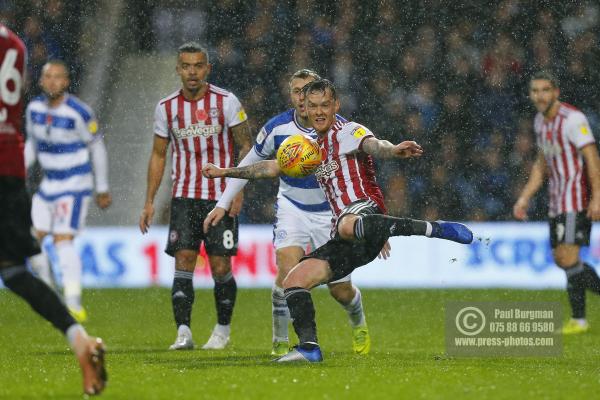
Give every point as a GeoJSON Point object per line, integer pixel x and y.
{"type": "Point", "coordinates": [214, 113]}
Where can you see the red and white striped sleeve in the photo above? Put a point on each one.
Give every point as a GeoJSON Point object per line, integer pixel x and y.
{"type": "Point", "coordinates": [233, 110]}
{"type": "Point", "coordinates": [352, 136]}
{"type": "Point", "coordinates": [578, 129]}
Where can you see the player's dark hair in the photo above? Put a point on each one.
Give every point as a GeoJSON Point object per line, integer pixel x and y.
{"type": "Point", "coordinates": [305, 73]}
{"type": "Point", "coordinates": [545, 75]}
{"type": "Point", "coordinates": [192, 47]}
{"type": "Point", "coordinates": [56, 61]}
{"type": "Point", "coordinates": [320, 85]}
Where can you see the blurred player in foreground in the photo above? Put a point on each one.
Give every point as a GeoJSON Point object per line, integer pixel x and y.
{"type": "Point", "coordinates": [303, 219]}
{"type": "Point", "coordinates": [203, 123]}
{"type": "Point", "coordinates": [361, 229]}
{"type": "Point", "coordinates": [63, 135]}
{"type": "Point", "coordinates": [16, 241]}
{"type": "Point", "coordinates": [567, 151]}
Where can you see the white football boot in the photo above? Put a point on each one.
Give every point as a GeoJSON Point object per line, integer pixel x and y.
{"type": "Point", "coordinates": [184, 339]}
{"type": "Point", "coordinates": [218, 339]}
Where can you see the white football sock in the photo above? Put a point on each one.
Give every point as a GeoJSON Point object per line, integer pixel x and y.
{"type": "Point", "coordinates": [355, 311]}
{"type": "Point", "coordinates": [41, 267]}
{"type": "Point", "coordinates": [70, 265]}
{"type": "Point", "coordinates": [281, 315]}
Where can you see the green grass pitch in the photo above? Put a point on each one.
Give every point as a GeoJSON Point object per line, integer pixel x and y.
{"type": "Point", "coordinates": [407, 360]}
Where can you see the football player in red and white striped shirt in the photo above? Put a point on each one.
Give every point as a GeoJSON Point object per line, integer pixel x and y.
{"type": "Point", "coordinates": [16, 241]}
{"type": "Point", "coordinates": [567, 151]}
{"type": "Point", "coordinates": [203, 124]}
{"type": "Point", "coordinates": [362, 229]}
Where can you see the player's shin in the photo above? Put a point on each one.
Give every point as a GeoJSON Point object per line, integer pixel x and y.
{"type": "Point", "coordinates": [225, 292]}
{"type": "Point", "coordinates": [281, 315]}
{"type": "Point", "coordinates": [70, 265]}
{"type": "Point", "coordinates": [182, 297]}
{"type": "Point", "coordinates": [40, 265]}
{"type": "Point", "coordinates": [302, 312]}
{"type": "Point", "coordinates": [383, 226]}
{"type": "Point", "coordinates": [576, 286]}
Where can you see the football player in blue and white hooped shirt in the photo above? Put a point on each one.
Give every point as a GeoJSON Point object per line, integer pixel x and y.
{"type": "Point", "coordinates": [62, 134]}
{"type": "Point", "coordinates": [303, 218]}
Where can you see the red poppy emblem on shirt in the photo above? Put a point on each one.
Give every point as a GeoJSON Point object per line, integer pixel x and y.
{"type": "Point", "coordinates": [201, 115]}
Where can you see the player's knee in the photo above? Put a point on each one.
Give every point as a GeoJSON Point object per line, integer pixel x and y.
{"type": "Point", "coordinates": [566, 257]}
{"type": "Point", "coordinates": [346, 227]}
{"type": "Point", "coordinates": [343, 292]}
{"type": "Point", "coordinates": [185, 260]}
{"type": "Point", "coordinates": [220, 266]}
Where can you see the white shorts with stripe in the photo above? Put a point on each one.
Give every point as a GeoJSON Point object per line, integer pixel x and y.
{"type": "Point", "coordinates": [295, 227]}
{"type": "Point", "coordinates": [64, 214]}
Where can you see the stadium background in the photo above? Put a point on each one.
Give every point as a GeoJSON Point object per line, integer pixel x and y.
{"type": "Point", "coordinates": [453, 77]}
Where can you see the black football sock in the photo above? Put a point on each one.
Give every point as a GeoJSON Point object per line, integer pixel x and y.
{"type": "Point", "coordinates": [379, 226]}
{"type": "Point", "coordinates": [40, 297]}
{"type": "Point", "coordinates": [592, 278]}
{"type": "Point", "coordinates": [576, 284]}
{"type": "Point", "coordinates": [182, 297]}
{"type": "Point", "coordinates": [302, 312]}
{"type": "Point", "coordinates": [225, 293]}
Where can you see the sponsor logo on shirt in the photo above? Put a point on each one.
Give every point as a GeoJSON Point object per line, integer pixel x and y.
{"type": "Point", "coordinates": [324, 171]}
{"type": "Point", "coordinates": [551, 150]}
{"type": "Point", "coordinates": [199, 129]}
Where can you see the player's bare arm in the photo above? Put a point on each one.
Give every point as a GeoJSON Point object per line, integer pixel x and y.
{"type": "Point", "coordinates": [534, 183]}
{"type": "Point", "coordinates": [384, 149]}
{"type": "Point", "coordinates": [260, 170]}
{"type": "Point", "coordinates": [156, 168]}
{"type": "Point", "coordinates": [592, 164]}
{"type": "Point", "coordinates": [243, 141]}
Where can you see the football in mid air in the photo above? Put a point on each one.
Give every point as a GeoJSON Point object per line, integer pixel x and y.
{"type": "Point", "coordinates": [298, 156]}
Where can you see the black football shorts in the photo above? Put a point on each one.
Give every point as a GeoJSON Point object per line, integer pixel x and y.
{"type": "Point", "coordinates": [186, 229]}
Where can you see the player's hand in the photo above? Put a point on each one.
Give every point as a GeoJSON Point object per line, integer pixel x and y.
{"type": "Point", "coordinates": [104, 200]}
{"type": "Point", "coordinates": [593, 211]}
{"type": "Point", "coordinates": [212, 171]}
{"type": "Point", "coordinates": [407, 149]}
{"type": "Point", "coordinates": [520, 209]}
{"type": "Point", "coordinates": [236, 204]}
{"type": "Point", "coordinates": [146, 217]}
{"type": "Point", "coordinates": [385, 251]}
{"type": "Point", "coordinates": [213, 218]}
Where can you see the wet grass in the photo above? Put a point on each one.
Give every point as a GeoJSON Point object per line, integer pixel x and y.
{"type": "Point", "coordinates": [407, 360]}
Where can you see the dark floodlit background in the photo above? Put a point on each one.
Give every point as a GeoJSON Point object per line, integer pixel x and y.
{"type": "Point", "coordinates": [451, 76]}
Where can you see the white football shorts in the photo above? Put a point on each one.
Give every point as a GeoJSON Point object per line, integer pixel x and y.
{"type": "Point", "coordinates": [63, 215]}
{"type": "Point", "coordinates": [295, 227]}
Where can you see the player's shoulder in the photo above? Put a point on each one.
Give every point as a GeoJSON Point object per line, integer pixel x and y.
{"type": "Point", "coordinates": [284, 118]}
{"type": "Point", "coordinates": [37, 102]}
{"type": "Point", "coordinates": [348, 128]}
{"type": "Point", "coordinates": [570, 113]}
{"type": "Point", "coordinates": [219, 90]}
{"type": "Point", "coordinates": [80, 107]}
{"type": "Point", "coordinates": [171, 96]}
{"type": "Point", "coordinates": [11, 38]}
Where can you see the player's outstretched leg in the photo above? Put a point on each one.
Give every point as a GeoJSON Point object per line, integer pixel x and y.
{"type": "Point", "coordinates": [377, 225]}
{"type": "Point", "coordinates": [89, 350]}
